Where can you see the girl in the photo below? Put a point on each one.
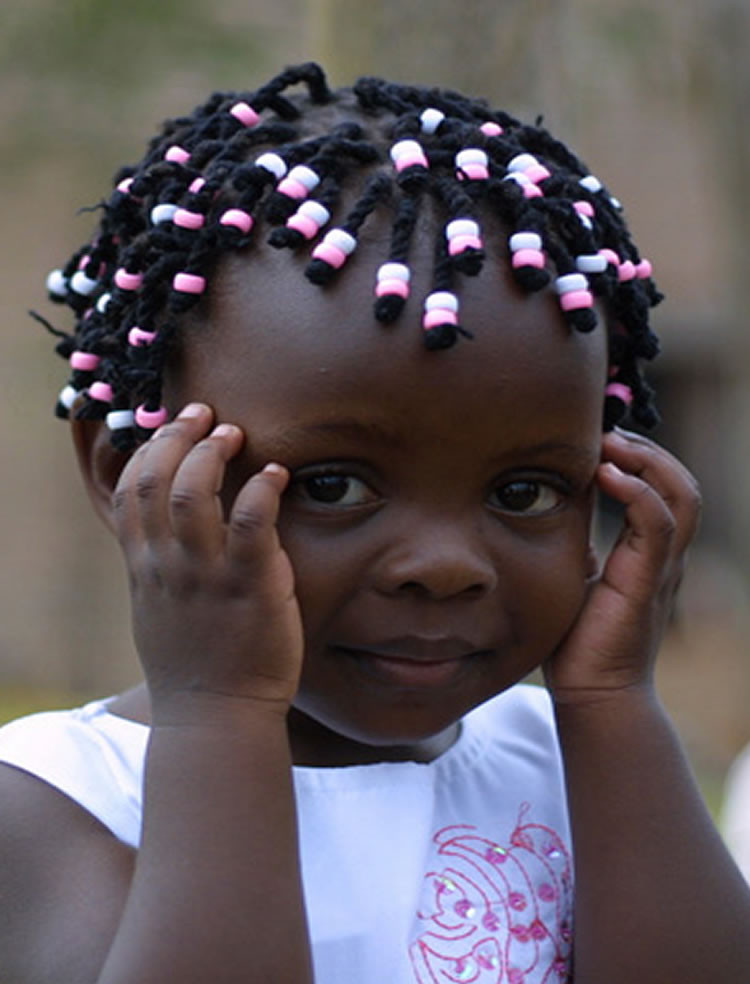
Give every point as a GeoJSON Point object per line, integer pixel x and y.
{"type": "Point", "coordinates": [351, 528]}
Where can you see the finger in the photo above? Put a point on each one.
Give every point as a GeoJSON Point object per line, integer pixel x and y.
{"type": "Point", "coordinates": [195, 511]}
{"type": "Point", "coordinates": [252, 535]}
{"type": "Point", "coordinates": [645, 552]}
{"type": "Point", "coordinates": [157, 463]}
{"type": "Point", "coordinates": [639, 456]}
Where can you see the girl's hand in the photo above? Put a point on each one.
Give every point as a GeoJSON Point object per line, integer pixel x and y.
{"type": "Point", "coordinates": [613, 643]}
{"type": "Point", "coordinates": [213, 602]}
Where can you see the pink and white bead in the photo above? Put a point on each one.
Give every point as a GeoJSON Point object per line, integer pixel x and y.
{"type": "Point", "coordinates": [408, 153]}
{"type": "Point", "coordinates": [440, 308]}
{"type": "Point", "coordinates": [393, 278]}
{"type": "Point", "coordinates": [526, 250]}
{"type": "Point", "coordinates": [528, 164]}
{"type": "Point", "coordinates": [298, 184]}
{"type": "Point", "coordinates": [472, 163]}
{"type": "Point", "coordinates": [238, 219]}
{"type": "Point", "coordinates": [125, 185]}
{"type": "Point", "coordinates": [309, 219]}
{"type": "Point", "coordinates": [573, 289]}
{"type": "Point", "coordinates": [244, 114]}
{"type": "Point", "coordinates": [462, 234]}
{"type": "Point", "coordinates": [529, 188]}
{"type": "Point", "coordinates": [335, 248]}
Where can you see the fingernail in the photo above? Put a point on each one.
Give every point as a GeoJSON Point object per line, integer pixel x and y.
{"type": "Point", "coordinates": [224, 430]}
{"type": "Point", "coordinates": [274, 468]}
{"type": "Point", "coordinates": [193, 410]}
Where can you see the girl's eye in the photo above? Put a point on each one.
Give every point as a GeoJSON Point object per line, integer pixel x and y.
{"type": "Point", "coordinates": [333, 489]}
{"type": "Point", "coordinates": [526, 497]}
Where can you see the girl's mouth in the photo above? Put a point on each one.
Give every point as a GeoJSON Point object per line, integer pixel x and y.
{"type": "Point", "coordinates": [419, 666]}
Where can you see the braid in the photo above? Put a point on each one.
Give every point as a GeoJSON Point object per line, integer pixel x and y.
{"type": "Point", "coordinates": [288, 160]}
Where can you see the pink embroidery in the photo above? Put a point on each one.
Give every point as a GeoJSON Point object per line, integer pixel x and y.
{"type": "Point", "coordinates": [496, 914]}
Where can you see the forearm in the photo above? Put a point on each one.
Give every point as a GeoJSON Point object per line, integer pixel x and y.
{"type": "Point", "coordinates": [657, 897]}
{"type": "Point", "coordinates": [217, 891]}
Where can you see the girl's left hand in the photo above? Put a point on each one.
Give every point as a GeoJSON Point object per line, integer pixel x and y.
{"type": "Point", "coordinates": [612, 646]}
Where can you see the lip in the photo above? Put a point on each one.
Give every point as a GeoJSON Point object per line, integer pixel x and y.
{"type": "Point", "coordinates": [416, 662]}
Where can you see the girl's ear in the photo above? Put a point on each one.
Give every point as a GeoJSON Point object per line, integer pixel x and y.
{"type": "Point", "coordinates": [592, 563]}
{"type": "Point", "coordinates": [100, 465]}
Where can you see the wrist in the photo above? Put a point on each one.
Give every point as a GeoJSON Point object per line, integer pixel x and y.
{"type": "Point", "coordinates": [216, 711]}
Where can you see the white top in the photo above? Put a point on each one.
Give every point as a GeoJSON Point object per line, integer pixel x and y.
{"type": "Point", "coordinates": [455, 870]}
{"type": "Point", "coordinates": [736, 814]}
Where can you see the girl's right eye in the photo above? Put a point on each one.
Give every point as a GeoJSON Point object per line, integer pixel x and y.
{"type": "Point", "coordinates": [333, 489]}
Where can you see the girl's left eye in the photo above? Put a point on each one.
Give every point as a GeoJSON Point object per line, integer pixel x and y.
{"type": "Point", "coordinates": [526, 497]}
{"type": "Point", "coordinates": [330, 488]}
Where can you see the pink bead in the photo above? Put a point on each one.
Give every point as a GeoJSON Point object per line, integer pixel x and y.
{"type": "Point", "coordinates": [476, 172]}
{"type": "Point", "coordinates": [139, 336]}
{"type": "Point", "coordinates": [85, 361]}
{"type": "Point", "coordinates": [530, 190]}
{"type": "Point", "coordinates": [528, 257]}
{"type": "Point", "coordinates": [189, 283]}
{"type": "Point", "coordinates": [620, 391]}
{"type": "Point", "coordinates": [151, 419]}
{"type": "Point", "coordinates": [124, 185]}
{"type": "Point", "coordinates": [178, 155]}
{"type": "Point", "coordinates": [384, 287]}
{"type": "Point", "coordinates": [459, 243]}
{"type": "Point", "coordinates": [490, 129]}
{"type": "Point", "coordinates": [439, 316]}
{"type": "Point", "coordinates": [188, 220]}
{"type": "Point", "coordinates": [303, 224]}
{"type": "Point", "coordinates": [330, 254]}
{"type": "Point", "coordinates": [610, 256]}
{"type": "Point", "coordinates": [584, 208]}
{"type": "Point", "coordinates": [196, 185]}
{"type": "Point", "coordinates": [410, 160]}
{"type": "Point", "coordinates": [128, 281]}
{"type": "Point", "coordinates": [237, 218]}
{"type": "Point", "coordinates": [626, 271]}
{"type": "Point", "coordinates": [244, 113]}
{"type": "Point", "coordinates": [537, 173]}
{"type": "Point", "coordinates": [644, 269]}
{"type": "Point", "coordinates": [574, 300]}
{"type": "Point", "coordinates": [292, 188]}
{"type": "Point", "coordinates": [101, 391]}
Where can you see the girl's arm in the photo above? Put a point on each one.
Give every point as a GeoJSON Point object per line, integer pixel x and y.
{"type": "Point", "coordinates": [658, 900]}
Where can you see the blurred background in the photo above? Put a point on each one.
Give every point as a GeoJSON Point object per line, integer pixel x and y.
{"type": "Point", "coordinates": [654, 97]}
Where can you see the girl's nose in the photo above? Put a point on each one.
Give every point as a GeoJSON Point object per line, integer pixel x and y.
{"type": "Point", "coordinates": [437, 561]}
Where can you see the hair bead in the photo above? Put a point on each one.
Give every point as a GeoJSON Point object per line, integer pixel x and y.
{"type": "Point", "coordinates": [120, 419]}
{"type": "Point", "coordinates": [186, 219]}
{"type": "Point", "coordinates": [82, 284]}
{"type": "Point", "coordinates": [273, 163]}
{"type": "Point", "coordinates": [591, 263]}
{"type": "Point", "coordinates": [644, 270]}
{"type": "Point", "coordinates": [68, 396]}
{"type": "Point", "coordinates": [472, 163]}
{"type": "Point", "coordinates": [491, 129]}
{"type": "Point", "coordinates": [189, 283]}
{"type": "Point", "coordinates": [238, 219]}
{"type": "Point", "coordinates": [620, 391]}
{"type": "Point", "coordinates": [299, 182]}
{"type": "Point", "coordinates": [57, 284]}
{"type": "Point", "coordinates": [591, 183]}
{"type": "Point", "coordinates": [124, 186]}
{"type": "Point", "coordinates": [309, 218]}
{"type": "Point", "coordinates": [150, 419]}
{"type": "Point", "coordinates": [102, 302]}
{"type": "Point", "coordinates": [245, 114]}
{"type": "Point", "coordinates": [176, 154]}
{"type": "Point", "coordinates": [101, 391]}
{"type": "Point", "coordinates": [84, 361]}
{"type": "Point", "coordinates": [126, 280]}
{"type": "Point", "coordinates": [138, 337]}
{"type": "Point", "coordinates": [335, 248]}
{"type": "Point", "coordinates": [626, 271]}
{"type": "Point", "coordinates": [162, 213]}
{"type": "Point", "coordinates": [440, 319]}
{"type": "Point", "coordinates": [431, 119]}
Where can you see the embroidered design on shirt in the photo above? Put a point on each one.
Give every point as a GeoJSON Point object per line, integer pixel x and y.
{"type": "Point", "coordinates": [496, 913]}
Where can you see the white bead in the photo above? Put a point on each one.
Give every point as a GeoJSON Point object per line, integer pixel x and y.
{"type": "Point", "coordinates": [570, 282]}
{"type": "Point", "coordinates": [394, 271]}
{"type": "Point", "coordinates": [431, 119]}
{"type": "Point", "coordinates": [118, 419]}
{"type": "Point", "coordinates": [315, 211]}
{"type": "Point", "coordinates": [471, 155]}
{"type": "Point", "coordinates": [461, 227]}
{"type": "Point", "coordinates": [403, 147]}
{"type": "Point", "coordinates": [341, 240]}
{"type": "Point", "coordinates": [591, 263]}
{"type": "Point", "coordinates": [103, 303]}
{"type": "Point", "coordinates": [162, 213]}
{"type": "Point", "coordinates": [615, 202]}
{"type": "Point", "coordinates": [82, 284]}
{"type": "Point", "coordinates": [273, 163]}
{"type": "Point", "coordinates": [525, 240]}
{"type": "Point", "coordinates": [519, 177]}
{"type": "Point", "coordinates": [521, 162]}
{"type": "Point", "coordinates": [590, 183]}
{"type": "Point", "coordinates": [57, 284]}
{"type": "Point", "coordinates": [441, 300]}
{"type": "Point", "coordinates": [585, 221]}
{"type": "Point", "coordinates": [68, 396]}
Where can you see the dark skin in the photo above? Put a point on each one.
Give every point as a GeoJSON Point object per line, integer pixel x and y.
{"type": "Point", "coordinates": [418, 543]}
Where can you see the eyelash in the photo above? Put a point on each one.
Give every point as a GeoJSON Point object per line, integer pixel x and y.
{"type": "Point", "coordinates": [556, 490]}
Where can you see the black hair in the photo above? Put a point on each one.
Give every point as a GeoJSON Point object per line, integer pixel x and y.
{"type": "Point", "coordinates": [281, 161]}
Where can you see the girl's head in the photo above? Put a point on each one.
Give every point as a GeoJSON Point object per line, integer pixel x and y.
{"type": "Point", "coordinates": [443, 459]}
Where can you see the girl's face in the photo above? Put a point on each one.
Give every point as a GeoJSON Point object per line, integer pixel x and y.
{"type": "Point", "coordinates": [439, 510]}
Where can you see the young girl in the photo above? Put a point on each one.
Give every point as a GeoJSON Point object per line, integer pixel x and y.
{"type": "Point", "coordinates": [353, 491]}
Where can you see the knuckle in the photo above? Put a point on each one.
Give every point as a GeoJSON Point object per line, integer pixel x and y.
{"type": "Point", "coordinates": [147, 485]}
{"type": "Point", "coordinates": [247, 522]}
{"type": "Point", "coordinates": [183, 500]}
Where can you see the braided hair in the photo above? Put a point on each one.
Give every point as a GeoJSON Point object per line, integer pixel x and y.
{"type": "Point", "coordinates": [282, 161]}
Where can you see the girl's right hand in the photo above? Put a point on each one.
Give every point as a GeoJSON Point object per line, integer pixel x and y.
{"type": "Point", "coordinates": [213, 603]}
